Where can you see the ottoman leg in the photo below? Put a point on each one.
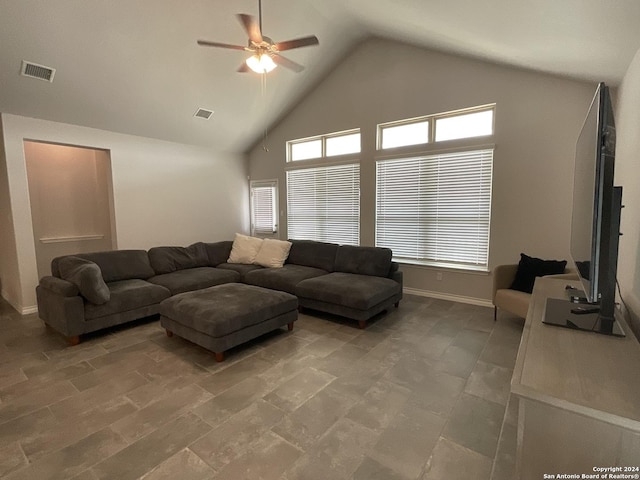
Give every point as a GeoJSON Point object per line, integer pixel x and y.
{"type": "Point", "coordinates": [290, 326]}
{"type": "Point", "coordinates": [219, 356]}
{"type": "Point", "coordinates": [362, 323]}
{"type": "Point", "coordinates": [169, 333]}
{"type": "Point", "coordinates": [73, 341]}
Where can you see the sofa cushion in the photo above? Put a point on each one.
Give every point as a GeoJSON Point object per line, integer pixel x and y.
{"type": "Point", "coordinates": [241, 268]}
{"type": "Point", "coordinates": [273, 253]}
{"type": "Point", "coordinates": [170, 259]}
{"type": "Point", "coordinates": [115, 264]}
{"type": "Point", "coordinates": [348, 289]}
{"type": "Point", "coordinates": [218, 252]}
{"type": "Point", "coordinates": [244, 249]}
{"type": "Point", "coordinates": [87, 276]}
{"type": "Point", "coordinates": [284, 279]}
{"type": "Point", "coordinates": [194, 279]}
{"type": "Point", "coordinates": [374, 261]}
{"type": "Point", "coordinates": [127, 295]}
{"type": "Point", "coordinates": [530, 267]}
{"type": "Point", "coordinates": [313, 254]}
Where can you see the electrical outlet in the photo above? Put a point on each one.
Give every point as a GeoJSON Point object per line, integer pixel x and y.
{"type": "Point", "coordinates": [438, 276]}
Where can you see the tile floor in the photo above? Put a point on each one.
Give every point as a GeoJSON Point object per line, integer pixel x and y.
{"type": "Point", "coordinates": [420, 394]}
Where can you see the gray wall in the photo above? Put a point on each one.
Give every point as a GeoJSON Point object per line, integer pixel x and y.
{"type": "Point", "coordinates": [538, 118]}
{"type": "Point", "coordinates": [628, 175]}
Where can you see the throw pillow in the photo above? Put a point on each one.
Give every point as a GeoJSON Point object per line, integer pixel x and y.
{"type": "Point", "coordinates": [244, 249]}
{"type": "Point", "coordinates": [530, 267]}
{"type": "Point", "coordinates": [87, 276]}
{"type": "Point", "coordinates": [273, 253]}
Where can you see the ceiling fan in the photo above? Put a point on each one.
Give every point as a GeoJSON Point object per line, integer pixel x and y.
{"type": "Point", "coordinates": [265, 53]}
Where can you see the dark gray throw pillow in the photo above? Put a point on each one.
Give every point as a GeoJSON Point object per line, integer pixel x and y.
{"type": "Point", "coordinates": [530, 267]}
{"type": "Point", "coordinates": [87, 276]}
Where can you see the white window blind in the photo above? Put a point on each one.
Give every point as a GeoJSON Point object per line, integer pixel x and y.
{"type": "Point", "coordinates": [436, 209]}
{"type": "Point", "coordinates": [264, 208]}
{"type": "Point", "coordinates": [323, 204]}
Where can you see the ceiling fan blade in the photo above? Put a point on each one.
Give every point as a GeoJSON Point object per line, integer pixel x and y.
{"type": "Point", "coordinates": [251, 26]}
{"type": "Point", "coordinates": [206, 43]}
{"type": "Point", "coordinates": [297, 43]}
{"type": "Point", "coordinates": [286, 63]}
{"type": "Point", "coordinates": [243, 68]}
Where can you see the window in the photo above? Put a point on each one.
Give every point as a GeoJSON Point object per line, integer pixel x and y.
{"type": "Point", "coordinates": [329, 145]}
{"type": "Point", "coordinates": [475, 124]}
{"type": "Point", "coordinates": [323, 204]}
{"type": "Point", "coordinates": [413, 133]}
{"type": "Point", "coordinates": [467, 123]}
{"type": "Point", "coordinates": [264, 208]}
{"type": "Point", "coordinates": [436, 209]}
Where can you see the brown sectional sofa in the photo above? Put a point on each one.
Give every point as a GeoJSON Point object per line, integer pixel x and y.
{"type": "Point", "coordinates": [354, 282]}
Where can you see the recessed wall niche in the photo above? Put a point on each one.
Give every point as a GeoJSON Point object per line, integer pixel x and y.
{"type": "Point", "coordinates": [71, 196]}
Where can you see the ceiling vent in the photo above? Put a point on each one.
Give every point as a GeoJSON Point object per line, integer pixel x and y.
{"type": "Point", "coordinates": [203, 113]}
{"type": "Point", "coordinates": [40, 72]}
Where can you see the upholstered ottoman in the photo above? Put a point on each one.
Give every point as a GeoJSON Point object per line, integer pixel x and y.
{"type": "Point", "coordinates": [220, 317]}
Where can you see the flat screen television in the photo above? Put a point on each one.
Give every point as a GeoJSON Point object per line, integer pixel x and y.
{"type": "Point", "coordinates": [595, 225]}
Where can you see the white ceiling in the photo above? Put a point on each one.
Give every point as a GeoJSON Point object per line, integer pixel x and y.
{"type": "Point", "coordinates": [133, 66]}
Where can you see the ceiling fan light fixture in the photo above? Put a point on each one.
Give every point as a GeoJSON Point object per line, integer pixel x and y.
{"type": "Point", "coordinates": [261, 63]}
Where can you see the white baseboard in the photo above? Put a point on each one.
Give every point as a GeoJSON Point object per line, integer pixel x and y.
{"type": "Point", "coordinates": [482, 302]}
{"type": "Point", "coordinates": [17, 307]}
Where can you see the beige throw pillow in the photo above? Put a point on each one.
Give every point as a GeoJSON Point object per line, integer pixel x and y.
{"type": "Point", "coordinates": [244, 249]}
{"type": "Point", "coordinates": [273, 253]}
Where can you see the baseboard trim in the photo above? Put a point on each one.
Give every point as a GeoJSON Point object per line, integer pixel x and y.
{"type": "Point", "coordinates": [17, 307]}
{"type": "Point", "coordinates": [481, 302]}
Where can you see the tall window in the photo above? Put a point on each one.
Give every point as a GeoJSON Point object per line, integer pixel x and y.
{"type": "Point", "coordinates": [436, 209]}
{"type": "Point", "coordinates": [264, 207]}
{"type": "Point", "coordinates": [323, 203]}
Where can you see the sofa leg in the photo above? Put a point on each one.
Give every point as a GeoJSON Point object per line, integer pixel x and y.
{"type": "Point", "coordinates": [300, 308]}
{"type": "Point", "coordinates": [169, 333]}
{"type": "Point", "coordinates": [73, 341]}
{"type": "Point", "coordinates": [362, 324]}
{"type": "Point", "coordinates": [397, 304]}
{"type": "Point", "coordinates": [495, 313]}
{"type": "Point", "coordinates": [219, 356]}
{"type": "Point", "coordinates": [290, 326]}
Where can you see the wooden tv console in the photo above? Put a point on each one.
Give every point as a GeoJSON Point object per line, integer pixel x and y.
{"type": "Point", "coordinates": [578, 397]}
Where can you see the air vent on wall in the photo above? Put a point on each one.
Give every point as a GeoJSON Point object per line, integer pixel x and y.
{"type": "Point", "coordinates": [40, 72]}
{"type": "Point", "coordinates": [203, 113]}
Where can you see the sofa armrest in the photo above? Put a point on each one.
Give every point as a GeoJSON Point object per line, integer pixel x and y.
{"type": "Point", "coordinates": [397, 276]}
{"type": "Point", "coordinates": [59, 286]}
{"type": "Point", "coordinates": [62, 312]}
{"type": "Point", "coordinates": [503, 276]}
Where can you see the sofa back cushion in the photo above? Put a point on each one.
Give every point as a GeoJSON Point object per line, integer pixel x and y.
{"type": "Point", "coordinates": [374, 261]}
{"type": "Point", "coordinates": [170, 259]}
{"type": "Point", "coordinates": [218, 252]}
{"type": "Point", "coordinates": [313, 254]}
{"type": "Point", "coordinates": [115, 265]}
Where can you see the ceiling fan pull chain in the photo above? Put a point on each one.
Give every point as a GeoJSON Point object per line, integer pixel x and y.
{"type": "Point", "coordinates": [263, 88]}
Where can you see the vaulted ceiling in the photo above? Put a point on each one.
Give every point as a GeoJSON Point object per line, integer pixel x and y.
{"type": "Point", "coordinates": [133, 66]}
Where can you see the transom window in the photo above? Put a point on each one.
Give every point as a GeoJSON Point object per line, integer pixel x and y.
{"type": "Point", "coordinates": [329, 145]}
{"type": "Point", "coordinates": [467, 123]}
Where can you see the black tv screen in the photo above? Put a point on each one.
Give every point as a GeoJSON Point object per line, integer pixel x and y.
{"type": "Point", "coordinates": [595, 219]}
